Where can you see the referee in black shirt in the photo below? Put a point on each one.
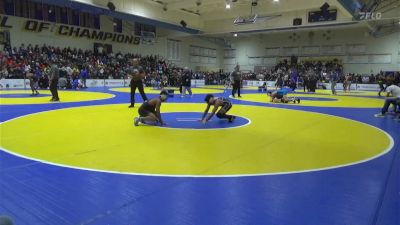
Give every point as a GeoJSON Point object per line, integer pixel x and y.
{"type": "Point", "coordinates": [137, 75]}
{"type": "Point", "coordinates": [235, 79]}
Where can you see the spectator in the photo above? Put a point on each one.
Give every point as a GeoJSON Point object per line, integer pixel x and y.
{"type": "Point", "coordinates": [54, 75]}
{"type": "Point", "coordinates": [186, 82]}
{"type": "Point", "coordinates": [394, 91]}
{"type": "Point", "coordinates": [236, 79]}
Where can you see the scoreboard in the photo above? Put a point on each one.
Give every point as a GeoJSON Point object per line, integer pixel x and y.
{"type": "Point", "coordinates": [322, 16]}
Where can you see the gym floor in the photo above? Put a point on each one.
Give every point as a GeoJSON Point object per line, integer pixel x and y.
{"type": "Point", "coordinates": [327, 160]}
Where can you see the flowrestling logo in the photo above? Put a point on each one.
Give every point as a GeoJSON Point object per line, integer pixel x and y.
{"type": "Point", "coordinates": [370, 16]}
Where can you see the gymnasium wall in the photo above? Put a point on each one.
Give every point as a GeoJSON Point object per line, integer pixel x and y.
{"type": "Point", "coordinates": [153, 10]}
{"type": "Point", "coordinates": [283, 20]}
{"type": "Point", "coordinates": [182, 56]}
{"type": "Point", "coordinates": [359, 51]}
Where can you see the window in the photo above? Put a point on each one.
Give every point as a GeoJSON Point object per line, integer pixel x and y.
{"type": "Point", "coordinates": [205, 55]}
{"type": "Point", "coordinates": [117, 23]}
{"type": "Point", "coordinates": [21, 8]}
{"type": "Point", "coordinates": [38, 11]}
{"type": "Point", "coordinates": [96, 21]}
{"type": "Point", "coordinates": [62, 15]}
{"type": "Point", "coordinates": [73, 17]}
{"type": "Point", "coordinates": [50, 11]}
{"type": "Point", "coordinates": [230, 53]}
{"type": "Point", "coordinates": [140, 28]}
{"type": "Point", "coordinates": [9, 7]}
{"type": "Point", "coordinates": [85, 19]}
{"type": "Point", "coordinates": [2, 4]}
{"type": "Point", "coordinates": [31, 9]}
{"type": "Point", "coordinates": [173, 49]}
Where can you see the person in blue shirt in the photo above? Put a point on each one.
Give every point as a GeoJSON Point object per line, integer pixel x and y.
{"type": "Point", "coordinates": [75, 84]}
{"type": "Point", "coordinates": [84, 75]}
{"type": "Point", "coordinates": [294, 78]}
{"type": "Point", "coordinates": [280, 96]}
{"type": "Point", "coordinates": [334, 77]}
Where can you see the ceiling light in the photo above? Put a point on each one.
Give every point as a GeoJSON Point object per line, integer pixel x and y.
{"type": "Point", "coordinates": [228, 5]}
{"type": "Point", "coordinates": [235, 34]}
{"type": "Point", "coordinates": [276, 0]}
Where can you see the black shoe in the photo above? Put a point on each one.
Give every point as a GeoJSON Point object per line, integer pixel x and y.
{"type": "Point", "coordinates": [131, 106]}
{"type": "Point", "coordinates": [56, 100]}
{"type": "Point", "coordinates": [239, 96]}
{"type": "Point", "coordinates": [298, 101]}
{"type": "Point", "coordinates": [232, 119]}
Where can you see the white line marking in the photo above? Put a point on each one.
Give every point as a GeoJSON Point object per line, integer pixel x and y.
{"type": "Point", "coordinates": [388, 149]}
{"type": "Point", "coordinates": [187, 120]}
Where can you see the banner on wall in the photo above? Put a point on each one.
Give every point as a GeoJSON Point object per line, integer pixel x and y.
{"type": "Point", "coordinates": [258, 83]}
{"type": "Point", "coordinates": [13, 83]}
{"type": "Point", "coordinates": [116, 83]}
{"type": "Point", "coordinates": [56, 29]}
{"type": "Point", "coordinates": [95, 83]}
{"type": "Point", "coordinates": [19, 83]}
{"type": "Point", "coordinates": [361, 87]}
{"type": "Point", "coordinates": [198, 83]}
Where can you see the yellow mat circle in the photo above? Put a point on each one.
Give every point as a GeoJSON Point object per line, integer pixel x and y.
{"type": "Point", "coordinates": [65, 96]}
{"type": "Point", "coordinates": [155, 91]}
{"type": "Point", "coordinates": [277, 141]}
{"type": "Point", "coordinates": [341, 101]}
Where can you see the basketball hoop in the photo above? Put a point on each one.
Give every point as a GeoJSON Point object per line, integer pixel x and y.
{"type": "Point", "coordinates": [147, 37]}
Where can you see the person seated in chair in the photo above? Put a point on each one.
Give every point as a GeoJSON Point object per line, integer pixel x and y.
{"type": "Point", "coordinates": [392, 98]}
{"type": "Point", "coordinates": [262, 87]}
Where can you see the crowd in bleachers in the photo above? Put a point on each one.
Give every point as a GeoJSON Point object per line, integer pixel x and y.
{"type": "Point", "coordinates": [76, 64]}
{"type": "Point", "coordinates": [321, 71]}
{"type": "Point", "coordinates": [318, 71]}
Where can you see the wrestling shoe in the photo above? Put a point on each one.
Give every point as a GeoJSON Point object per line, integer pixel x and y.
{"type": "Point", "coordinates": [131, 106]}
{"type": "Point", "coordinates": [232, 119]}
{"type": "Point", "coordinates": [298, 101]}
{"type": "Point", "coordinates": [136, 121]}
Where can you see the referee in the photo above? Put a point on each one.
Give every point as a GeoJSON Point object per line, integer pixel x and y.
{"type": "Point", "coordinates": [137, 74]}
{"type": "Point", "coordinates": [235, 79]}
